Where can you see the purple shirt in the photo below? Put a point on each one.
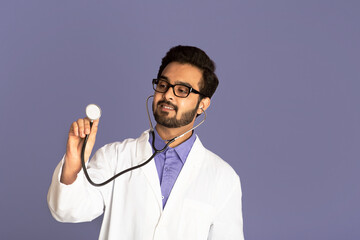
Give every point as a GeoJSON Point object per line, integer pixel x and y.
{"type": "Point", "coordinates": [170, 162]}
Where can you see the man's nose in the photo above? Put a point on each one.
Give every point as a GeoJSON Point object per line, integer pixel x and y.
{"type": "Point", "coordinates": [169, 94]}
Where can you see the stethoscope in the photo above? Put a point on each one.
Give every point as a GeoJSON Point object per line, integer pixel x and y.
{"type": "Point", "coordinates": [93, 112]}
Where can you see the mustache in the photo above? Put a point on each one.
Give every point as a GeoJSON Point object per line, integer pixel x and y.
{"type": "Point", "coordinates": [167, 103]}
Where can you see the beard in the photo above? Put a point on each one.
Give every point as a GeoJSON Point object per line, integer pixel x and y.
{"type": "Point", "coordinates": [171, 122]}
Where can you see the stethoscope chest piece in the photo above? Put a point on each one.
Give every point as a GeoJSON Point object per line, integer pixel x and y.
{"type": "Point", "coordinates": [93, 112]}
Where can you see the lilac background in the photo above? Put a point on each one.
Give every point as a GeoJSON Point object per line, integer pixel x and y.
{"type": "Point", "coordinates": [286, 114]}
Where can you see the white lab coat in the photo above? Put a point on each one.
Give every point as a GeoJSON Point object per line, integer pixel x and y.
{"type": "Point", "coordinates": [205, 202]}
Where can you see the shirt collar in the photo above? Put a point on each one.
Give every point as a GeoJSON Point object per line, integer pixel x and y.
{"type": "Point", "coordinates": [182, 150]}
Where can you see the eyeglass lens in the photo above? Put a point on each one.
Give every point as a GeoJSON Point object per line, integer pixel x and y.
{"type": "Point", "coordinates": [179, 90]}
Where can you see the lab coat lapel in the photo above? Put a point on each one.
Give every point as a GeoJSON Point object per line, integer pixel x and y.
{"type": "Point", "coordinates": [187, 174]}
{"type": "Point", "coordinates": [143, 153]}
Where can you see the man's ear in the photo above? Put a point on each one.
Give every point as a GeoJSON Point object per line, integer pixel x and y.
{"type": "Point", "coordinates": [204, 104]}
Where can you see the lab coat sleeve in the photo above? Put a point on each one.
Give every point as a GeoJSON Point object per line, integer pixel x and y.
{"type": "Point", "coordinates": [80, 201]}
{"type": "Point", "coordinates": [228, 223]}
{"type": "Point", "coordinates": [77, 202]}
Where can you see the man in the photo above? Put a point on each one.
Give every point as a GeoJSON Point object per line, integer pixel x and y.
{"type": "Point", "coordinates": [187, 192]}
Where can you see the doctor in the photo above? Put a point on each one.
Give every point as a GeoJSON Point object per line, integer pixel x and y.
{"type": "Point", "coordinates": [186, 193]}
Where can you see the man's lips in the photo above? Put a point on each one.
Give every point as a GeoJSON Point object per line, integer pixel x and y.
{"type": "Point", "coordinates": [167, 107]}
{"type": "Point", "coordinates": [164, 107]}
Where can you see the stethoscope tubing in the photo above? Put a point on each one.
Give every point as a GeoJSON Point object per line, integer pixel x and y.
{"type": "Point", "coordinates": [156, 151]}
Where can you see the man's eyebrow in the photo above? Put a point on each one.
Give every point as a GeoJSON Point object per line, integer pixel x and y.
{"type": "Point", "coordinates": [164, 77]}
{"type": "Point", "coordinates": [176, 82]}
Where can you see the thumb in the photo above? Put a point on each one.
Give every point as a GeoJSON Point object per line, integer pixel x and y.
{"type": "Point", "coordinates": [93, 131]}
{"type": "Point", "coordinates": [91, 139]}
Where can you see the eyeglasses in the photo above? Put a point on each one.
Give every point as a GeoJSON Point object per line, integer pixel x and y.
{"type": "Point", "coordinates": [179, 90]}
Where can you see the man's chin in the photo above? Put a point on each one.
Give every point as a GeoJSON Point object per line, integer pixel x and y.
{"type": "Point", "coordinates": [166, 121]}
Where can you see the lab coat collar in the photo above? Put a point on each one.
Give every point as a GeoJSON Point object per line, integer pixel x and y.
{"type": "Point", "coordinates": [187, 174]}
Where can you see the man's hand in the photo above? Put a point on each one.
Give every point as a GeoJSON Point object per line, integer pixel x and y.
{"type": "Point", "coordinates": [77, 134]}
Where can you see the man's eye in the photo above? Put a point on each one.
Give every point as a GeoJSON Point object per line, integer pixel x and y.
{"type": "Point", "coordinates": [162, 85]}
{"type": "Point", "coordinates": [183, 89]}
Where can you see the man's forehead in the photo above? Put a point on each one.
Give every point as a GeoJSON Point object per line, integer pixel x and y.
{"type": "Point", "coordinates": [162, 77]}
{"type": "Point", "coordinates": [182, 73]}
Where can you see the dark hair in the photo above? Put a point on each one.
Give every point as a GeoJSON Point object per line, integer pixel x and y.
{"type": "Point", "coordinates": [195, 57]}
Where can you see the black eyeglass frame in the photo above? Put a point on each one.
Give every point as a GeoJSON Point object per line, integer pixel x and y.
{"type": "Point", "coordinates": [191, 90]}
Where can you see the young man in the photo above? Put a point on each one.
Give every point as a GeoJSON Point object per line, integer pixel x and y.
{"type": "Point", "coordinates": [187, 192]}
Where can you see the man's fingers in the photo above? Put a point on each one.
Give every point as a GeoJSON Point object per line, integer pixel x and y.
{"type": "Point", "coordinates": [81, 127]}
{"type": "Point", "coordinates": [80, 123]}
{"type": "Point", "coordinates": [86, 126]}
{"type": "Point", "coordinates": [74, 129]}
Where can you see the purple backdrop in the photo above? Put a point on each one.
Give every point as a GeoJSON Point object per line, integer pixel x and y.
{"type": "Point", "coordinates": [286, 114]}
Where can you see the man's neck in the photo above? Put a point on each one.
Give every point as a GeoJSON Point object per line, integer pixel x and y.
{"type": "Point", "coordinates": [169, 133]}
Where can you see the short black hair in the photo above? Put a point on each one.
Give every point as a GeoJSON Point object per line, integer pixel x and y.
{"type": "Point", "coordinates": [195, 57]}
